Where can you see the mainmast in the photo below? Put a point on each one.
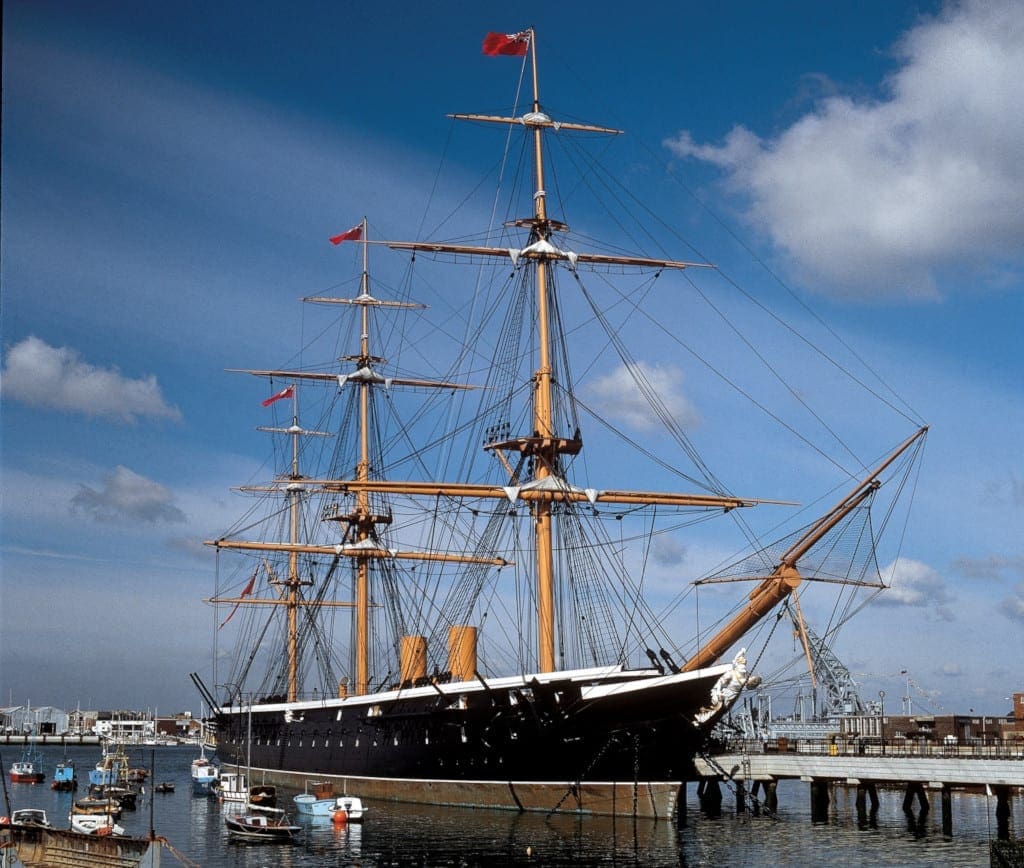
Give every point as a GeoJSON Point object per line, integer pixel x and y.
{"type": "Point", "coordinates": [545, 445]}
{"type": "Point", "coordinates": [548, 449]}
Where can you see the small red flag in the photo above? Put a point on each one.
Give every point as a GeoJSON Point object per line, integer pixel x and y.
{"type": "Point", "coordinates": [245, 593]}
{"type": "Point", "coordinates": [284, 393]}
{"type": "Point", "coordinates": [353, 234]}
{"type": "Point", "coordinates": [506, 43]}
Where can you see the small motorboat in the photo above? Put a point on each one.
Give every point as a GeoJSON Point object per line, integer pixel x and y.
{"type": "Point", "coordinates": [126, 797]}
{"type": "Point", "coordinates": [29, 769]}
{"type": "Point", "coordinates": [348, 809]}
{"type": "Point", "coordinates": [30, 817]}
{"type": "Point", "coordinates": [64, 777]}
{"type": "Point", "coordinates": [93, 805]}
{"type": "Point", "coordinates": [164, 787]}
{"type": "Point", "coordinates": [262, 796]}
{"type": "Point", "coordinates": [342, 809]}
{"type": "Point", "coordinates": [204, 776]}
{"type": "Point", "coordinates": [262, 826]}
{"type": "Point", "coordinates": [317, 801]}
{"type": "Point", "coordinates": [95, 824]}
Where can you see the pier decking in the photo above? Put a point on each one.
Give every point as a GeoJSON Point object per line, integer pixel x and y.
{"type": "Point", "coordinates": [919, 769]}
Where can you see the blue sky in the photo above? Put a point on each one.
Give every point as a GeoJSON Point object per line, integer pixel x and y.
{"type": "Point", "coordinates": [171, 173]}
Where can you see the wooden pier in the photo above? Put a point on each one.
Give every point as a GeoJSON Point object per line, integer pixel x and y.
{"type": "Point", "coordinates": [920, 771]}
{"type": "Point", "coordinates": [51, 739]}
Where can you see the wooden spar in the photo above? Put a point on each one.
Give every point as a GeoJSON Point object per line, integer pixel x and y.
{"type": "Point", "coordinates": [294, 494]}
{"type": "Point", "coordinates": [364, 523]}
{"type": "Point", "coordinates": [365, 299]}
{"type": "Point", "coordinates": [354, 552]}
{"type": "Point", "coordinates": [259, 601]}
{"type": "Point", "coordinates": [335, 378]}
{"type": "Point", "coordinates": [536, 120]}
{"type": "Point", "coordinates": [561, 494]}
{"type": "Point", "coordinates": [785, 578]}
{"type": "Point", "coordinates": [543, 413]}
{"type": "Point", "coordinates": [543, 255]}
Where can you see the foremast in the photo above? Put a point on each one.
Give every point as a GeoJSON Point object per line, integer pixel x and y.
{"type": "Point", "coordinates": [361, 535]}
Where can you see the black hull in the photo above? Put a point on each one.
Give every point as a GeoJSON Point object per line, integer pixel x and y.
{"type": "Point", "coordinates": [535, 747]}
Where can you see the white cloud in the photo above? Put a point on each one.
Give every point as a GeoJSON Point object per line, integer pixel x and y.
{"type": "Point", "coordinates": [876, 197]}
{"type": "Point", "coordinates": [621, 397]}
{"type": "Point", "coordinates": [127, 495]}
{"type": "Point", "coordinates": [57, 378]}
{"type": "Point", "coordinates": [916, 585]}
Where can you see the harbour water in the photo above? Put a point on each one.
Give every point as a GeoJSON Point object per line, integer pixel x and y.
{"type": "Point", "coordinates": [399, 835]}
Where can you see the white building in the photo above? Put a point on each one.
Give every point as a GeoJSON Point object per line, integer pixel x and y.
{"type": "Point", "coordinates": [127, 729]}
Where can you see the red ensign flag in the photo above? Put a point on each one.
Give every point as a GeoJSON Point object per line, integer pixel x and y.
{"type": "Point", "coordinates": [245, 593]}
{"type": "Point", "coordinates": [284, 393]}
{"type": "Point", "coordinates": [353, 234]}
{"type": "Point", "coordinates": [506, 43]}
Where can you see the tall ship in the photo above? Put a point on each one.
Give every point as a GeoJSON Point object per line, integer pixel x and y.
{"type": "Point", "coordinates": [442, 596]}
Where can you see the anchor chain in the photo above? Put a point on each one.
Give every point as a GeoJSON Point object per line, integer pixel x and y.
{"type": "Point", "coordinates": [727, 776]}
{"type": "Point", "coordinates": [593, 762]}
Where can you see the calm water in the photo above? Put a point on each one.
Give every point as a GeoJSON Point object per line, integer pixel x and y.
{"type": "Point", "coordinates": [396, 835]}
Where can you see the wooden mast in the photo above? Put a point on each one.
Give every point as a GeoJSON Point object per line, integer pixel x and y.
{"type": "Point", "coordinates": [360, 538]}
{"type": "Point", "coordinates": [543, 421]}
{"type": "Point", "coordinates": [363, 519]}
{"type": "Point", "coordinates": [293, 582]}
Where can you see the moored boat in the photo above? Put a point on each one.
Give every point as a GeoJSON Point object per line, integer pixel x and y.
{"type": "Point", "coordinates": [234, 787]}
{"type": "Point", "coordinates": [587, 700]}
{"type": "Point", "coordinates": [262, 826]}
{"type": "Point", "coordinates": [111, 768]}
{"type": "Point", "coordinates": [64, 777]}
{"type": "Point", "coordinates": [36, 846]}
{"type": "Point", "coordinates": [30, 817]}
{"type": "Point", "coordinates": [204, 775]}
{"type": "Point", "coordinates": [29, 769]}
{"type": "Point", "coordinates": [348, 809]}
{"type": "Point", "coordinates": [203, 772]}
{"type": "Point", "coordinates": [98, 803]}
{"type": "Point", "coordinates": [99, 825]}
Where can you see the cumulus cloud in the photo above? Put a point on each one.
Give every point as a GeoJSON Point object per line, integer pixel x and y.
{"type": "Point", "coordinates": [667, 551]}
{"type": "Point", "coordinates": [1013, 605]}
{"type": "Point", "coordinates": [621, 397]}
{"type": "Point", "coordinates": [57, 378]}
{"type": "Point", "coordinates": [877, 197]}
{"type": "Point", "coordinates": [914, 584]}
{"type": "Point", "coordinates": [127, 495]}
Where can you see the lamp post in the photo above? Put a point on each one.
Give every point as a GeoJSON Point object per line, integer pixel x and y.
{"type": "Point", "coordinates": [881, 719]}
{"type": "Point", "coordinates": [907, 700]}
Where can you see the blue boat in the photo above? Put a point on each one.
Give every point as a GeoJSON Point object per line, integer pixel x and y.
{"type": "Point", "coordinates": [64, 777]}
{"type": "Point", "coordinates": [204, 775]}
{"type": "Point", "coordinates": [111, 769]}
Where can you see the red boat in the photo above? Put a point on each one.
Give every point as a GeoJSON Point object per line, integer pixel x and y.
{"type": "Point", "coordinates": [26, 771]}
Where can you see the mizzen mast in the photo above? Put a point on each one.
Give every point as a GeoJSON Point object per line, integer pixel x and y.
{"type": "Point", "coordinates": [290, 597]}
